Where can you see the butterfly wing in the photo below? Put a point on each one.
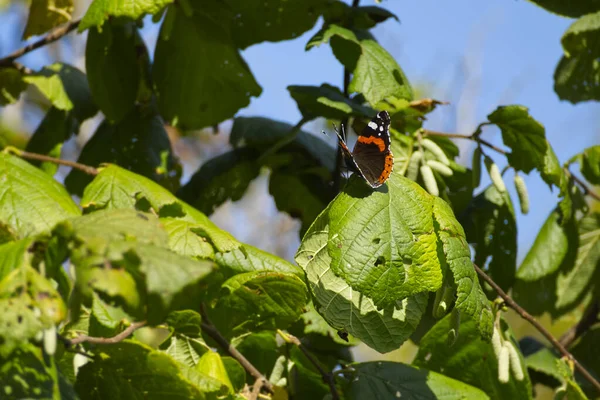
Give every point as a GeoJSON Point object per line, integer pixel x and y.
{"type": "Point", "coordinates": [372, 154]}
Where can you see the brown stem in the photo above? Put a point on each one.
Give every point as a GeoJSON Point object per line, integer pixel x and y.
{"type": "Point", "coordinates": [586, 322]}
{"type": "Point", "coordinates": [526, 316]}
{"type": "Point", "coordinates": [40, 157]}
{"type": "Point", "coordinates": [475, 138]}
{"type": "Point", "coordinates": [328, 377]}
{"type": "Point", "coordinates": [211, 330]}
{"type": "Point", "coordinates": [583, 185]}
{"type": "Point", "coordinates": [53, 36]}
{"type": "Point", "coordinates": [111, 340]}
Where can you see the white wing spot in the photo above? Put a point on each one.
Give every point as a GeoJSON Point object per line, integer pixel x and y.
{"type": "Point", "coordinates": [381, 128]}
{"type": "Point", "coordinates": [372, 125]}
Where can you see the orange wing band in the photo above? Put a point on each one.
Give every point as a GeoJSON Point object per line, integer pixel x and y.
{"type": "Point", "coordinates": [387, 170]}
{"type": "Point", "coordinates": [372, 139]}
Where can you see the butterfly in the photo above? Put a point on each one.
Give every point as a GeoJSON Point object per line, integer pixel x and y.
{"type": "Point", "coordinates": [371, 158]}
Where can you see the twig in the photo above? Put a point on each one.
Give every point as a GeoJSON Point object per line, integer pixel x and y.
{"type": "Point", "coordinates": [473, 137]}
{"type": "Point", "coordinates": [255, 389]}
{"type": "Point", "coordinates": [111, 340]}
{"type": "Point", "coordinates": [40, 157]}
{"type": "Point", "coordinates": [586, 322]}
{"type": "Point", "coordinates": [327, 376]}
{"type": "Point", "coordinates": [49, 38]}
{"type": "Point", "coordinates": [212, 331]}
{"type": "Point", "coordinates": [526, 316]}
{"type": "Point", "coordinates": [583, 185]}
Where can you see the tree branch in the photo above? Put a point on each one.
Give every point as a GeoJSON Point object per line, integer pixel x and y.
{"type": "Point", "coordinates": [328, 377]}
{"type": "Point", "coordinates": [583, 185]}
{"type": "Point", "coordinates": [212, 331]}
{"type": "Point", "coordinates": [111, 340]}
{"type": "Point", "coordinates": [40, 157]}
{"type": "Point", "coordinates": [53, 36]}
{"type": "Point", "coordinates": [473, 137]}
{"type": "Point", "coordinates": [526, 316]}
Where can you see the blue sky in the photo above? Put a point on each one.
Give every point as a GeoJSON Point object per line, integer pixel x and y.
{"type": "Point", "coordinates": [476, 55]}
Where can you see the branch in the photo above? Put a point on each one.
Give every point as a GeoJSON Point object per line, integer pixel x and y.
{"type": "Point", "coordinates": [473, 137]}
{"type": "Point", "coordinates": [53, 36]}
{"type": "Point", "coordinates": [40, 157]}
{"type": "Point", "coordinates": [526, 316]}
{"type": "Point", "coordinates": [111, 340]}
{"type": "Point", "coordinates": [212, 331]}
{"type": "Point", "coordinates": [584, 186]}
{"type": "Point", "coordinates": [327, 376]}
{"type": "Point", "coordinates": [586, 322]}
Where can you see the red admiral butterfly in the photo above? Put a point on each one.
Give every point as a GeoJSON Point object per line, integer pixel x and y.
{"type": "Point", "coordinates": [371, 157]}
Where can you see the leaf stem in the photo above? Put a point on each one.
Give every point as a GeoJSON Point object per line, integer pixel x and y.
{"type": "Point", "coordinates": [111, 340]}
{"type": "Point", "coordinates": [475, 137]}
{"type": "Point", "coordinates": [288, 138]}
{"type": "Point", "coordinates": [40, 157]}
{"type": "Point", "coordinates": [212, 331]}
{"type": "Point", "coordinates": [526, 316]}
{"type": "Point", "coordinates": [53, 36]}
{"type": "Point", "coordinates": [327, 376]}
{"type": "Point", "coordinates": [582, 184]}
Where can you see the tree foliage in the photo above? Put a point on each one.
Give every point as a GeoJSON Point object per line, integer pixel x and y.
{"type": "Point", "coordinates": [116, 284]}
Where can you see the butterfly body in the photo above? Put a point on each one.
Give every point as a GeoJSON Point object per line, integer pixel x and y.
{"type": "Point", "coordinates": [371, 157]}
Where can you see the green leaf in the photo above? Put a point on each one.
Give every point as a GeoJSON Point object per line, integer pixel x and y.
{"type": "Point", "coordinates": [129, 370]}
{"type": "Point", "coordinates": [106, 320]}
{"type": "Point", "coordinates": [199, 76]}
{"type": "Point", "coordinates": [313, 324]}
{"type": "Point", "coordinates": [235, 372]}
{"type": "Point", "coordinates": [259, 300]}
{"type": "Point", "coordinates": [31, 202]}
{"type": "Point", "coordinates": [211, 365]}
{"type": "Point", "coordinates": [383, 243]}
{"type": "Point", "coordinates": [139, 142]}
{"type": "Point", "coordinates": [256, 21]}
{"type": "Point", "coordinates": [577, 73]}
{"type": "Point", "coordinates": [11, 85]}
{"type": "Point", "coordinates": [29, 303]}
{"type": "Point", "coordinates": [471, 300]}
{"type": "Point", "coordinates": [573, 284]}
{"type": "Point", "coordinates": [589, 162]}
{"type": "Point", "coordinates": [25, 374]}
{"type": "Point", "coordinates": [552, 173]}
{"type": "Point", "coordinates": [524, 135]}
{"type": "Point", "coordinates": [326, 101]}
{"type": "Point", "coordinates": [260, 348]}
{"type": "Point", "coordinates": [101, 10]}
{"type": "Point", "coordinates": [383, 329]}
{"type": "Point", "coordinates": [549, 248]}
{"type": "Point", "coordinates": [470, 359]}
{"type": "Point", "coordinates": [492, 230]}
{"type": "Point", "coordinates": [111, 62]}
{"type": "Point", "coordinates": [185, 344]}
{"type": "Point", "coordinates": [248, 258]}
{"type": "Point", "coordinates": [222, 178]}
{"type": "Point", "coordinates": [115, 187]}
{"type": "Point", "coordinates": [15, 255]}
{"type": "Point", "coordinates": [587, 353]}
{"type": "Point", "coordinates": [375, 73]}
{"type": "Point", "coordinates": [186, 238]}
{"type": "Point", "coordinates": [66, 87]}
{"type": "Point", "coordinates": [388, 380]}
{"type": "Point", "coordinates": [45, 15]}
{"type": "Point", "coordinates": [545, 361]}
{"type": "Point", "coordinates": [572, 9]}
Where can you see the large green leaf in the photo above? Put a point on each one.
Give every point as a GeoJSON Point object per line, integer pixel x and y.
{"type": "Point", "coordinates": [199, 76]}
{"type": "Point", "coordinates": [11, 85]}
{"type": "Point", "coordinates": [577, 74]}
{"type": "Point", "coordinates": [589, 162]}
{"type": "Point", "coordinates": [383, 243]}
{"type": "Point", "coordinates": [492, 230]}
{"type": "Point", "coordinates": [573, 284]}
{"type": "Point", "coordinates": [524, 135]}
{"type": "Point", "coordinates": [45, 15]}
{"type": "Point", "coordinates": [573, 8]}
{"type": "Point", "coordinates": [112, 58]}
{"type": "Point", "coordinates": [129, 370]}
{"type": "Point", "coordinates": [257, 300]}
{"type": "Point", "coordinates": [14, 255]}
{"type": "Point", "coordinates": [101, 10]}
{"type": "Point", "coordinates": [375, 72]}
{"type": "Point", "coordinates": [326, 101]}
{"type": "Point", "coordinates": [222, 178]}
{"type": "Point", "coordinates": [185, 343]}
{"type": "Point", "coordinates": [383, 329]}
{"type": "Point", "coordinates": [391, 380]}
{"type": "Point", "coordinates": [186, 238]}
{"type": "Point", "coordinates": [549, 248]}
{"type": "Point", "coordinates": [30, 304]}
{"type": "Point", "coordinates": [587, 353]}
{"type": "Point", "coordinates": [260, 348]}
{"type": "Point", "coordinates": [106, 320]}
{"type": "Point", "coordinates": [470, 359]}
{"type": "Point", "coordinates": [470, 299]}
{"type": "Point", "coordinates": [248, 258]}
{"type": "Point", "coordinates": [255, 21]}
{"type": "Point", "coordinates": [31, 202]}
{"type": "Point", "coordinates": [139, 142]}
{"type": "Point", "coordinates": [66, 87]}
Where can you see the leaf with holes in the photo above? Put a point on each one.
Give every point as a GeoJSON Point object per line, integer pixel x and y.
{"type": "Point", "coordinates": [101, 10]}
{"type": "Point", "coordinates": [45, 15]}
